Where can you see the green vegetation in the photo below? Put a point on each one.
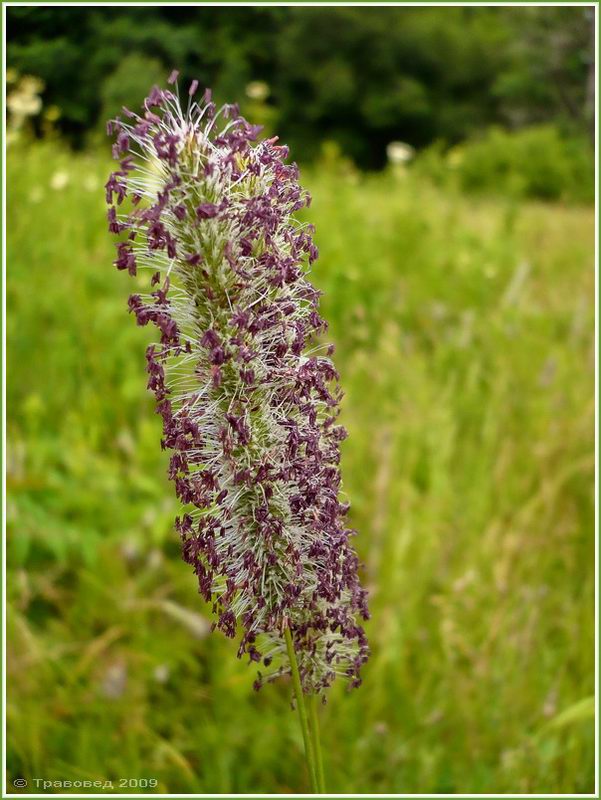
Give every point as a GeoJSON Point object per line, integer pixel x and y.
{"type": "Point", "coordinates": [361, 77]}
{"type": "Point", "coordinates": [464, 328]}
{"type": "Point", "coordinates": [534, 162]}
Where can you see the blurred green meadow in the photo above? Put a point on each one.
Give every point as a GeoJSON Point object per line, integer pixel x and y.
{"type": "Point", "coordinates": [464, 333]}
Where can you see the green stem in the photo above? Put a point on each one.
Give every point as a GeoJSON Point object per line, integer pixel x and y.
{"type": "Point", "coordinates": [302, 711]}
{"type": "Point", "coordinates": [314, 725]}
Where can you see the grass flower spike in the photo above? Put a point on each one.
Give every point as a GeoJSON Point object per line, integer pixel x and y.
{"type": "Point", "coordinates": [247, 396]}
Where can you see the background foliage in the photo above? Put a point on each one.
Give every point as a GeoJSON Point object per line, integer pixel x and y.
{"type": "Point", "coordinates": [358, 76]}
{"type": "Point", "coordinates": [462, 310]}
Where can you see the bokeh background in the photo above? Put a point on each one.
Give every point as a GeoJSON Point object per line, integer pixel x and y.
{"type": "Point", "coordinates": [449, 152]}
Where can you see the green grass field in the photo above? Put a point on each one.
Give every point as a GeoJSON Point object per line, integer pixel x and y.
{"type": "Point", "coordinates": [464, 333]}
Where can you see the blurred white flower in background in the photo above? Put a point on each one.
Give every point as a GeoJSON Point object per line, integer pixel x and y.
{"type": "Point", "coordinates": [24, 105]}
{"type": "Point", "coordinates": [31, 85]}
{"type": "Point", "coordinates": [22, 102]}
{"type": "Point", "coordinates": [257, 90]}
{"type": "Point", "coordinates": [161, 673]}
{"type": "Point", "coordinates": [59, 180]}
{"type": "Point", "coordinates": [399, 152]}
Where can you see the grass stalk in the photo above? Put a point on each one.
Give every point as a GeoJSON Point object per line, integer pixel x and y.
{"type": "Point", "coordinates": [302, 712]}
{"type": "Point", "coordinates": [314, 727]}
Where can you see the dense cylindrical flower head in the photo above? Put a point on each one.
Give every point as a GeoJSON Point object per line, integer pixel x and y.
{"type": "Point", "coordinates": [247, 395]}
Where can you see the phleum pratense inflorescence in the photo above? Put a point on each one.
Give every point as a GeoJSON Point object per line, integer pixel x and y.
{"type": "Point", "coordinates": [247, 395]}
